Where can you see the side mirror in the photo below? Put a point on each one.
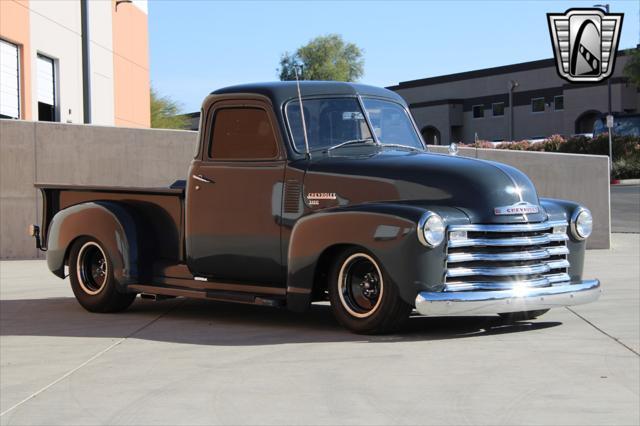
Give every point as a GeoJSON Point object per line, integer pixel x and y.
{"type": "Point", "coordinates": [453, 148]}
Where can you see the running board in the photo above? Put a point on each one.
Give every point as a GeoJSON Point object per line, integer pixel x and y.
{"type": "Point", "coordinates": [157, 293]}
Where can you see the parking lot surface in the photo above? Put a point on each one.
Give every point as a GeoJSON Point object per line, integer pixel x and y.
{"type": "Point", "coordinates": [192, 362]}
{"type": "Point", "coordinates": [625, 208]}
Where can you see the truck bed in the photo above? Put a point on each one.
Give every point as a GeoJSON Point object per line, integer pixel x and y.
{"type": "Point", "coordinates": [159, 210]}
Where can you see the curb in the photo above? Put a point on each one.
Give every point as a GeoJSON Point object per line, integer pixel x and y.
{"type": "Point", "coordinates": [625, 181]}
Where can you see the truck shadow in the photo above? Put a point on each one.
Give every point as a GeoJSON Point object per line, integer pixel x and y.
{"type": "Point", "coordinates": [224, 324]}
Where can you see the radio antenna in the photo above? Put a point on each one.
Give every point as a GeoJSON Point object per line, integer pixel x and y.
{"type": "Point", "coordinates": [304, 124]}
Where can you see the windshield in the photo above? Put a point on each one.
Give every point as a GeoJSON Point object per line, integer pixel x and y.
{"type": "Point", "coordinates": [334, 121]}
{"type": "Point", "coordinates": [622, 126]}
{"type": "Point", "coordinates": [391, 123]}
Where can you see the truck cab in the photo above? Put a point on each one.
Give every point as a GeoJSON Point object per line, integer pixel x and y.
{"type": "Point", "coordinates": [323, 191]}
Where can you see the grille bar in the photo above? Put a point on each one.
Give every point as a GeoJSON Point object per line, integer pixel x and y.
{"type": "Point", "coordinates": [509, 256]}
{"type": "Point", "coordinates": [523, 227]}
{"type": "Point", "coordinates": [507, 285]}
{"type": "Point", "coordinates": [505, 271]}
{"type": "Point", "coordinates": [506, 242]}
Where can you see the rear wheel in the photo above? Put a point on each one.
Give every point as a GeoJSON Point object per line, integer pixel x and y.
{"type": "Point", "coordinates": [523, 316]}
{"type": "Point", "coordinates": [92, 279]}
{"type": "Point", "coordinates": [363, 297]}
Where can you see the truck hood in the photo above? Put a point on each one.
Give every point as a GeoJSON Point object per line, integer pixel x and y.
{"type": "Point", "coordinates": [477, 187]}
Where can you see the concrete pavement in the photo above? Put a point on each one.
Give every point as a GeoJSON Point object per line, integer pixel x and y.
{"type": "Point", "coordinates": [625, 208]}
{"type": "Point", "coordinates": [196, 362]}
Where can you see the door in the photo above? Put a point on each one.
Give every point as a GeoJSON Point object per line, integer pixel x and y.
{"type": "Point", "coordinates": [234, 197]}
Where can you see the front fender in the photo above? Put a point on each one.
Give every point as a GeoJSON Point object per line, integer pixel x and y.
{"type": "Point", "coordinates": [108, 222]}
{"type": "Point", "coordinates": [387, 231]}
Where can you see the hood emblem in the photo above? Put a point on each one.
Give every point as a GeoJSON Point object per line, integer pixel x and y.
{"type": "Point", "coordinates": [515, 209]}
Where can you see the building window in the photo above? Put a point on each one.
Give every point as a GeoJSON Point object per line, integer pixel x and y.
{"type": "Point", "coordinates": [537, 105]}
{"type": "Point", "coordinates": [498, 109]}
{"type": "Point", "coordinates": [558, 103]}
{"type": "Point", "coordinates": [9, 80]}
{"type": "Point", "coordinates": [478, 111]}
{"type": "Point", "coordinates": [46, 89]}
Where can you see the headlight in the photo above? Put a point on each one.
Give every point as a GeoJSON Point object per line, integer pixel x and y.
{"type": "Point", "coordinates": [431, 229]}
{"type": "Point", "coordinates": [581, 223]}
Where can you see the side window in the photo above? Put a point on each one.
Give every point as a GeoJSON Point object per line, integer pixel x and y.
{"type": "Point", "coordinates": [242, 134]}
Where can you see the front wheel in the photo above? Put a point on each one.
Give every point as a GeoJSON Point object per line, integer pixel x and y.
{"type": "Point", "coordinates": [363, 297]}
{"type": "Point", "coordinates": [92, 279]}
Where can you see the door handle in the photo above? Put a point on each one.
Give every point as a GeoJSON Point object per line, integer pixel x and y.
{"type": "Point", "coordinates": [202, 178]}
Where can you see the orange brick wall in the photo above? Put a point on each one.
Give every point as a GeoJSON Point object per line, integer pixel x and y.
{"type": "Point", "coordinates": [14, 28]}
{"type": "Point", "coordinates": [131, 66]}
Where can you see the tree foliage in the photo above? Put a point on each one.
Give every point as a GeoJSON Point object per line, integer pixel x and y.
{"type": "Point", "coordinates": [165, 112]}
{"type": "Point", "coordinates": [324, 58]}
{"type": "Point", "coordinates": [632, 69]}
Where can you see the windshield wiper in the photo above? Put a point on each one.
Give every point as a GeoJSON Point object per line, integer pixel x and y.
{"type": "Point", "coordinates": [367, 141]}
{"type": "Point", "coordinates": [397, 145]}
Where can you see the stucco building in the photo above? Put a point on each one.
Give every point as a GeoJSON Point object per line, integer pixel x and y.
{"type": "Point", "coordinates": [75, 61]}
{"type": "Point", "coordinates": [457, 107]}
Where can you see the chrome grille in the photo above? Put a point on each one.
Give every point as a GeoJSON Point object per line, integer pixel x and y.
{"type": "Point", "coordinates": [500, 257]}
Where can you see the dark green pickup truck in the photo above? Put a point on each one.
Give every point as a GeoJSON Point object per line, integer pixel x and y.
{"type": "Point", "coordinates": [326, 193]}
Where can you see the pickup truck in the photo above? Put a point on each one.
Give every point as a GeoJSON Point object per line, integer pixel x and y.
{"type": "Point", "coordinates": [322, 191]}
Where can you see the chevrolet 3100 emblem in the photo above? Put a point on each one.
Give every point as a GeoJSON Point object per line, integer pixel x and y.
{"type": "Point", "coordinates": [515, 209]}
{"type": "Point", "coordinates": [585, 42]}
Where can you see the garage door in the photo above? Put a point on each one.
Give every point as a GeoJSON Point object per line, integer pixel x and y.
{"type": "Point", "coordinates": [9, 81]}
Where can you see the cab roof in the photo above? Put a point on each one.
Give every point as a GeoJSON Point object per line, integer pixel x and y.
{"type": "Point", "coordinates": [281, 91]}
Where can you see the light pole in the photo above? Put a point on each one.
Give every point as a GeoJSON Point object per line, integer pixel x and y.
{"type": "Point", "coordinates": [609, 117]}
{"type": "Point", "coordinates": [512, 85]}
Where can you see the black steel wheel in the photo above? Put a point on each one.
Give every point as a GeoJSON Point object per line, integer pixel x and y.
{"type": "Point", "coordinates": [92, 278]}
{"type": "Point", "coordinates": [363, 297]}
{"type": "Point", "coordinates": [92, 268]}
{"type": "Point", "coordinates": [360, 285]}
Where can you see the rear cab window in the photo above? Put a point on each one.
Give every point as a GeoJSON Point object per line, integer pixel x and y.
{"type": "Point", "coordinates": [242, 133]}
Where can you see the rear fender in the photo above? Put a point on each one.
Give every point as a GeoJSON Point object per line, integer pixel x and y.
{"type": "Point", "coordinates": [108, 222]}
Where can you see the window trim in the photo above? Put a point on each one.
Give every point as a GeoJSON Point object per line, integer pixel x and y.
{"type": "Point", "coordinates": [554, 102]}
{"type": "Point", "coordinates": [493, 113]}
{"type": "Point", "coordinates": [56, 94]}
{"type": "Point", "coordinates": [19, 50]}
{"type": "Point", "coordinates": [239, 105]}
{"type": "Point", "coordinates": [473, 114]}
{"type": "Point", "coordinates": [544, 109]}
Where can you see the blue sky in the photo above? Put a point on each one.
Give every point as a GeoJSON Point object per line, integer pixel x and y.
{"type": "Point", "coordinates": [198, 46]}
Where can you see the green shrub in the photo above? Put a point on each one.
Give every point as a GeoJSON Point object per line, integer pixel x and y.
{"type": "Point", "coordinates": [626, 150]}
{"type": "Point", "coordinates": [626, 169]}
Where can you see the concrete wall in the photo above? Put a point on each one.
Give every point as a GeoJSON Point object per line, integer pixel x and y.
{"type": "Point", "coordinates": [580, 178]}
{"type": "Point", "coordinates": [76, 154]}
{"type": "Point", "coordinates": [93, 155]}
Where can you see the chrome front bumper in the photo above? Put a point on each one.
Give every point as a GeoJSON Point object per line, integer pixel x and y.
{"type": "Point", "coordinates": [503, 301]}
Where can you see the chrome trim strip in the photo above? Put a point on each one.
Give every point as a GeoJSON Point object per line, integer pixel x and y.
{"type": "Point", "coordinates": [505, 242]}
{"type": "Point", "coordinates": [504, 257]}
{"type": "Point", "coordinates": [540, 268]}
{"type": "Point", "coordinates": [497, 257]}
{"type": "Point", "coordinates": [524, 227]}
{"type": "Point", "coordinates": [558, 250]}
{"type": "Point", "coordinates": [515, 300]}
{"type": "Point", "coordinates": [507, 285]}
{"type": "Point", "coordinates": [558, 264]}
